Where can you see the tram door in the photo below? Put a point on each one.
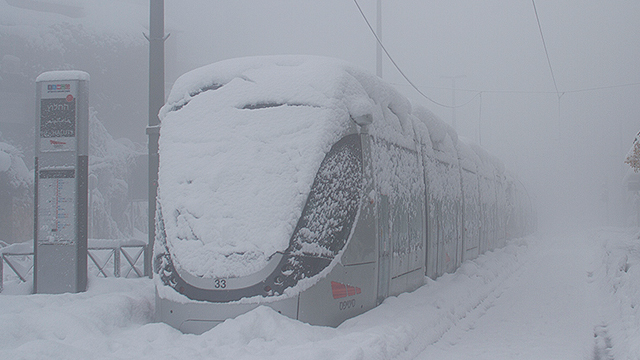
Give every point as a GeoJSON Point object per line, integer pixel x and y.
{"type": "Point", "coordinates": [384, 249]}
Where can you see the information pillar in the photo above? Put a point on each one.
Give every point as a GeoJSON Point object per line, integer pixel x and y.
{"type": "Point", "coordinates": [61, 178]}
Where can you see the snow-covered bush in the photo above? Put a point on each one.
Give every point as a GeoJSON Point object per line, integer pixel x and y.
{"type": "Point", "coordinates": [633, 157]}
{"type": "Point", "coordinates": [16, 196]}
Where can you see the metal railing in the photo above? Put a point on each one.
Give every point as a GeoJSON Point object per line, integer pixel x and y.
{"type": "Point", "coordinates": [19, 259]}
{"type": "Point", "coordinates": [104, 259]}
{"type": "Point", "coordinates": [16, 262]}
{"type": "Point", "coordinates": [107, 260]}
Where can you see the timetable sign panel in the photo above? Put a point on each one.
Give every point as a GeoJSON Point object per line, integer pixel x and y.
{"type": "Point", "coordinates": [56, 207]}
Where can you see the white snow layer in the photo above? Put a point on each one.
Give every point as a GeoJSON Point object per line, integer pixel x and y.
{"type": "Point", "coordinates": [537, 298]}
{"type": "Point", "coordinates": [63, 75]}
{"type": "Point", "coordinates": [241, 141]}
{"type": "Point", "coordinates": [618, 333]}
{"type": "Point", "coordinates": [240, 144]}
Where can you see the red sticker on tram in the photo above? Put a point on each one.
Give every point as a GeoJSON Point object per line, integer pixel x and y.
{"type": "Point", "coordinates": [341, 290]}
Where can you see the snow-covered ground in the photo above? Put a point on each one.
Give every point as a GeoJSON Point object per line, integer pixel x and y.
{"type": "Point", "coordinates": [572, 296]}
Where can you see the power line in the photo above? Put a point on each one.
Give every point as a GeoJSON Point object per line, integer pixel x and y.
{"type": "Point", "coordinates": [479, 92]}
{"type": "Point", "coordinates": [545, 48]}
{"type": "Point", "coordinates": [603, 87]}
{"type": "Point", "coordinates": [531, 91]}
{"type": "Point", "coordinates": [480, 122]}
{"type": "Point", "coordinates": [396, 65]}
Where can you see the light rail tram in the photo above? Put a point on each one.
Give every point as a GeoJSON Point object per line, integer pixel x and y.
{"type": "Point", "coordinates": [315, 188]}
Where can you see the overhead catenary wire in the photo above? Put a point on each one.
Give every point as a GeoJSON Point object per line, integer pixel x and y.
{"type": "Point", "coordinates": [480, 121]}
{"type": "Point", "coordinates": [602, 88]}
{"type": "Point", "coordinates": [606, 87]}
{"type": "Point", "coordinates": [398, 67]}
{"type": "Point", "coordinates": [557, 92]}
{"type": "Point", "coordinates": [544, 44]}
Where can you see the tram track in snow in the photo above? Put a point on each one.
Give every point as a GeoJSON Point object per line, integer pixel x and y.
{"type": "Point", "coordinates": [546, 309]}
{"type": "Point", "coordinates": [466, 318]}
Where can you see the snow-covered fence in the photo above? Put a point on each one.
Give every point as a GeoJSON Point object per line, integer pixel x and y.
{"type": "Point", "coordinates": [19, 258]}
{"type": "Point", "coordinates": [104, 259]}
{"type": "Point", "coordinates": [21, 264]}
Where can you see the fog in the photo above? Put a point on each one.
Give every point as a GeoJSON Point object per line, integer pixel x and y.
{"type": "Point", "coordinates": [566, 140]}
{"type": "Point", "coordinates": [567, 147]}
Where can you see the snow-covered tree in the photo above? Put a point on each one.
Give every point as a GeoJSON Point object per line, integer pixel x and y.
{"type": "Point", "coordinates": [111, 213]}
{"type": "Point", "coordinates": [16, 196]}
{"type": "Point", "coordinates": [633, 157]}
{"type": "Point", "coordinates": [35, 38]}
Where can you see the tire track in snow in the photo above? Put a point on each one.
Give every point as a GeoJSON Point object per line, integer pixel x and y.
{"type": "Point", "coordinates": [603, 344]}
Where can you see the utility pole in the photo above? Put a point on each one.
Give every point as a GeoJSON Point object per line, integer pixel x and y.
{"type": "Point", "coordinates": [156, 100]}
{"type": "Point", "coordinates": [453, 99]}
{"type": "Point", "coordinates": [480, 122]}
{"type": "Point", "coordinates": [378, 46]}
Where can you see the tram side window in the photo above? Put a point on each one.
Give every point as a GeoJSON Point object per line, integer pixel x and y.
{"type": "Point", "coordinates": [333, 201]}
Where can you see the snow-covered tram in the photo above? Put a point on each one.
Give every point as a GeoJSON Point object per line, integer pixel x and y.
{"type": "Point", "coordinates": [312, 187]}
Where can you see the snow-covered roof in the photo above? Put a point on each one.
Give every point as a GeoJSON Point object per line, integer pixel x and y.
{"type": "Point", "coordinates": [63, 75]}
{"type": "Point", "coordinates": [468, 158]}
